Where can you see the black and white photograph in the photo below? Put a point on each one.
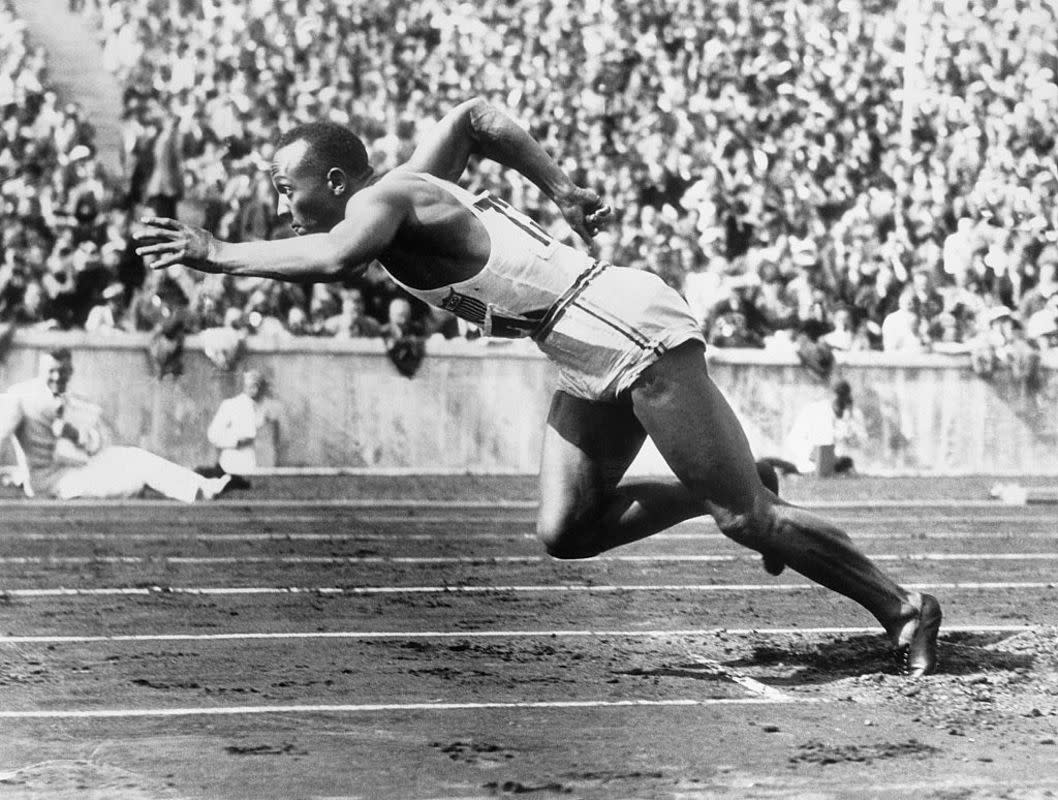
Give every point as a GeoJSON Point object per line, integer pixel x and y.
{"type": "Point", "coordinates": [600, 400]}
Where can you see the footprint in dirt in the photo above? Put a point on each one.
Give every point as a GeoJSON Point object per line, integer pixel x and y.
{"type": "Point", "coordinates": [480, 754]}
{"type": "Point", "coordinates": [517, 787]}
{"type": "Point", "coordinates": [285, 749]}
{"type": "Point", "coordinates": [823, 753]}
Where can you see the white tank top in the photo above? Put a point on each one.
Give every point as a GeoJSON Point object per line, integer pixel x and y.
{"type": "Point", "coordinates": [527, 271]}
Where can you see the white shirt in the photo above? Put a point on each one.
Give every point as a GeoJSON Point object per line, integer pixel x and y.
{"type": "Point", "coordinates": [234, 429]}
{"type": "Point", "coordinates": [28, 411]}
{"type": "Point", "coordinates": [900, 334]}
{"type": "Point", "coordinates": [818, 426]}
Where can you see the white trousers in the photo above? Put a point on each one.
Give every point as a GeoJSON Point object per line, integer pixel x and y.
{"type": "Point", "coordinates": [116, 472]}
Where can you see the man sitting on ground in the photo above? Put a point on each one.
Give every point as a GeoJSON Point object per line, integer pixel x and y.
{"type": "Point", "coordinates": [64, 451]}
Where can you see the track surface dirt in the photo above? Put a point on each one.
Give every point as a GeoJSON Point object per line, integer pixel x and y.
{"type": "Point", "coordinates": [406, 638]}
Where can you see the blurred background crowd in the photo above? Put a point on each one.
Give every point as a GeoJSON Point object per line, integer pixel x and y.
{"type": "Point", "coordinates": [843, 172]}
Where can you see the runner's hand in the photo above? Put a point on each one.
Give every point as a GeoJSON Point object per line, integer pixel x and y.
{"type": "Point", "coordinates": [585, 212]}
{"type": "Point", "coordinates": [175, 243]}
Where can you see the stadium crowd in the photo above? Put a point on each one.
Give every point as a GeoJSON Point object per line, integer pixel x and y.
{"type": "Point", "coordinates": [773, 159]}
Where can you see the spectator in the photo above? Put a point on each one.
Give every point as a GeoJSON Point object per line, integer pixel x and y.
{"type": "Point", "coordinates": [964, 303]}
{"type": "Point", "coordinates": [993, 348]}
{"type": "Point", "coordinates": [323, 305]}
{"type": "Point", "coordinates": [166, 348]}
{"type": "Point", "coordinates": [846, 335]}
{"type": "Point", "coordinates": [34, 311]}
{"type": "Point", "coordinates": [776, 163]}
{"type": "Point", "coordinates": [404, 337]}
{"type": "Point", "coordinates": [959, 247]}
{"type": "Point", "coordinates": [771, 306]}
{"type": "Point", "coordinates": [1042, 327]}
{"type": "Point", "coordinates": [949, 339]}
{"type": "Point", "coordinates": [297, 322]}
{"type": "Point", "coordinates": [226, 344]}
{"type": "Point", "coordinates": [902, 328]}
{"type": "Point", "coordinates": [261, 314]}
{"type": "Point", "coordinates": [400, 323]}
{"type": "Point", "coordinates": [164, 187]}
{"type": "Point", "coordinates": [878, 296]}
{"type": "Point", "coordinates": [824, 433]}
{"type": "Point", "coordinates": [731, 328]}
{"type": "Point", "coordinates": [352, 322]}
{"type": "Point", "coordinates": [235, 428]}
{"type": "Point", "coordinates": [109, 316]}
{"type": "Point", "coordinates": [928, 302]}
{"type": "Point", "coordinates": [1046, 285]}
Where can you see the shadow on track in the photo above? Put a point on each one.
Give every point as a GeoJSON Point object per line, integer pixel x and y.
{"type": "Point", "coordinates": [804, 663]}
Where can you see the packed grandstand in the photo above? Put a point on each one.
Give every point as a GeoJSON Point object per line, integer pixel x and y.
{"type": "Point", "coordinates": [872, 177]}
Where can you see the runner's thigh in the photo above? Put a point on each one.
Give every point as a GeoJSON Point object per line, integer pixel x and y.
{"type": "Point", "coordinates": [588, 446]}
{"type": "Point", "coordinates": [696, 431]}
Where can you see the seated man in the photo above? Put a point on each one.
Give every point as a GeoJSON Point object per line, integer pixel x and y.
{"type": "Point", "coordinates": [17, 474]}
{"type": "Point", "coordinates": [64, 451]}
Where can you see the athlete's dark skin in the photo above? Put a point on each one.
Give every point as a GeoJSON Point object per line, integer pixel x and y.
{"type": "Point", "coordinates": [427, 239]}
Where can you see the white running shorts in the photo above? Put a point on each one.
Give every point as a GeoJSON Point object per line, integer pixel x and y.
{"type": "Point", "coordinates": [615, 327]}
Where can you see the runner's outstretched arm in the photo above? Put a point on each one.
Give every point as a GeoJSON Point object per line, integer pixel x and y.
{"type": "Point", "coordinates": [372, 219]}
{"type": "Point", "coordinates": [476, 127]}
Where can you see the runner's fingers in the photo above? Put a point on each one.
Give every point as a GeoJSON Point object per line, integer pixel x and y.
{"type": "Point", "coordinates": [583, 230]}
{"type": "Point", "coordinates": [168, 261]}
{"type": "Point", "coordinates": [593, 223]}
{"type": "Point", "coordinates": [161, 247]}
{"type": "Point", "coordinates": [149, 234]}
{"type": "Point", "coordinates": [599, 217]}
{"type": "Point", "coordinates": [161, 222]}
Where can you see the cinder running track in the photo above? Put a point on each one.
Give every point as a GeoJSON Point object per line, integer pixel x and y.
{"type": "Point", "coordinates": [265, 648]}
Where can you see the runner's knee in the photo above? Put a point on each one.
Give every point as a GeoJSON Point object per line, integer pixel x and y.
{"type": "Point", "coordinates": [565, 535]}
{"type": "Point", "coordinates": [753, 528]}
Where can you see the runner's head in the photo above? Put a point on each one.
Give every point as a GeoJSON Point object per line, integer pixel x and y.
{"type": "Point", "coordinates": [317, 167]}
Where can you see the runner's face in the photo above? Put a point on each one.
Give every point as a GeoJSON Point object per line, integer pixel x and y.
{"type": "Point", "coordinates": [305, 195]}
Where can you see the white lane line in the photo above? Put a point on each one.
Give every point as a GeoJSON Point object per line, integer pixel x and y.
{"type": "Point", "coordinates": [866, 519]}
{"type": "Point", "coordinates": [336, 560]}
{"type": "Point", "coordinates": [74, 561]}
{"type": "Point", "coordinates": [413, 504]}
{"type": "Point", "coordinates": [354, 536]}
{"type": "Point", "coordinates": [493, 589]}
{"type": "Point", "coordinates": [367, 708]}
{"type": "Point", "coordinates": [411, 510]}
{"type": "Point", "coordinates": [257, 502]}
{"type": "Point", "coordinates": [500, 634]}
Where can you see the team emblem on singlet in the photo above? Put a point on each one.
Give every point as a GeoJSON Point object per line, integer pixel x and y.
{"type": "Point", "coordinates": [491, 320]}
{"type": "Point", "coordinates": [465, 307]}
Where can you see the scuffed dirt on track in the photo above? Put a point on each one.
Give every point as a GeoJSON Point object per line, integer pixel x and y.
{"type": "Point", "coordinates": [985, 726]}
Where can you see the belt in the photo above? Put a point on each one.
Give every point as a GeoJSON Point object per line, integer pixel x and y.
{"type": "Point", "coordinates": [535, 324]}
{"type": "Point", "coordinates": [558, 308]}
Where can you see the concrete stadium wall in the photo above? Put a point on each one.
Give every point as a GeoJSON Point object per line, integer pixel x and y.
{"type": "Point", "coordinates": [481, 407]}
